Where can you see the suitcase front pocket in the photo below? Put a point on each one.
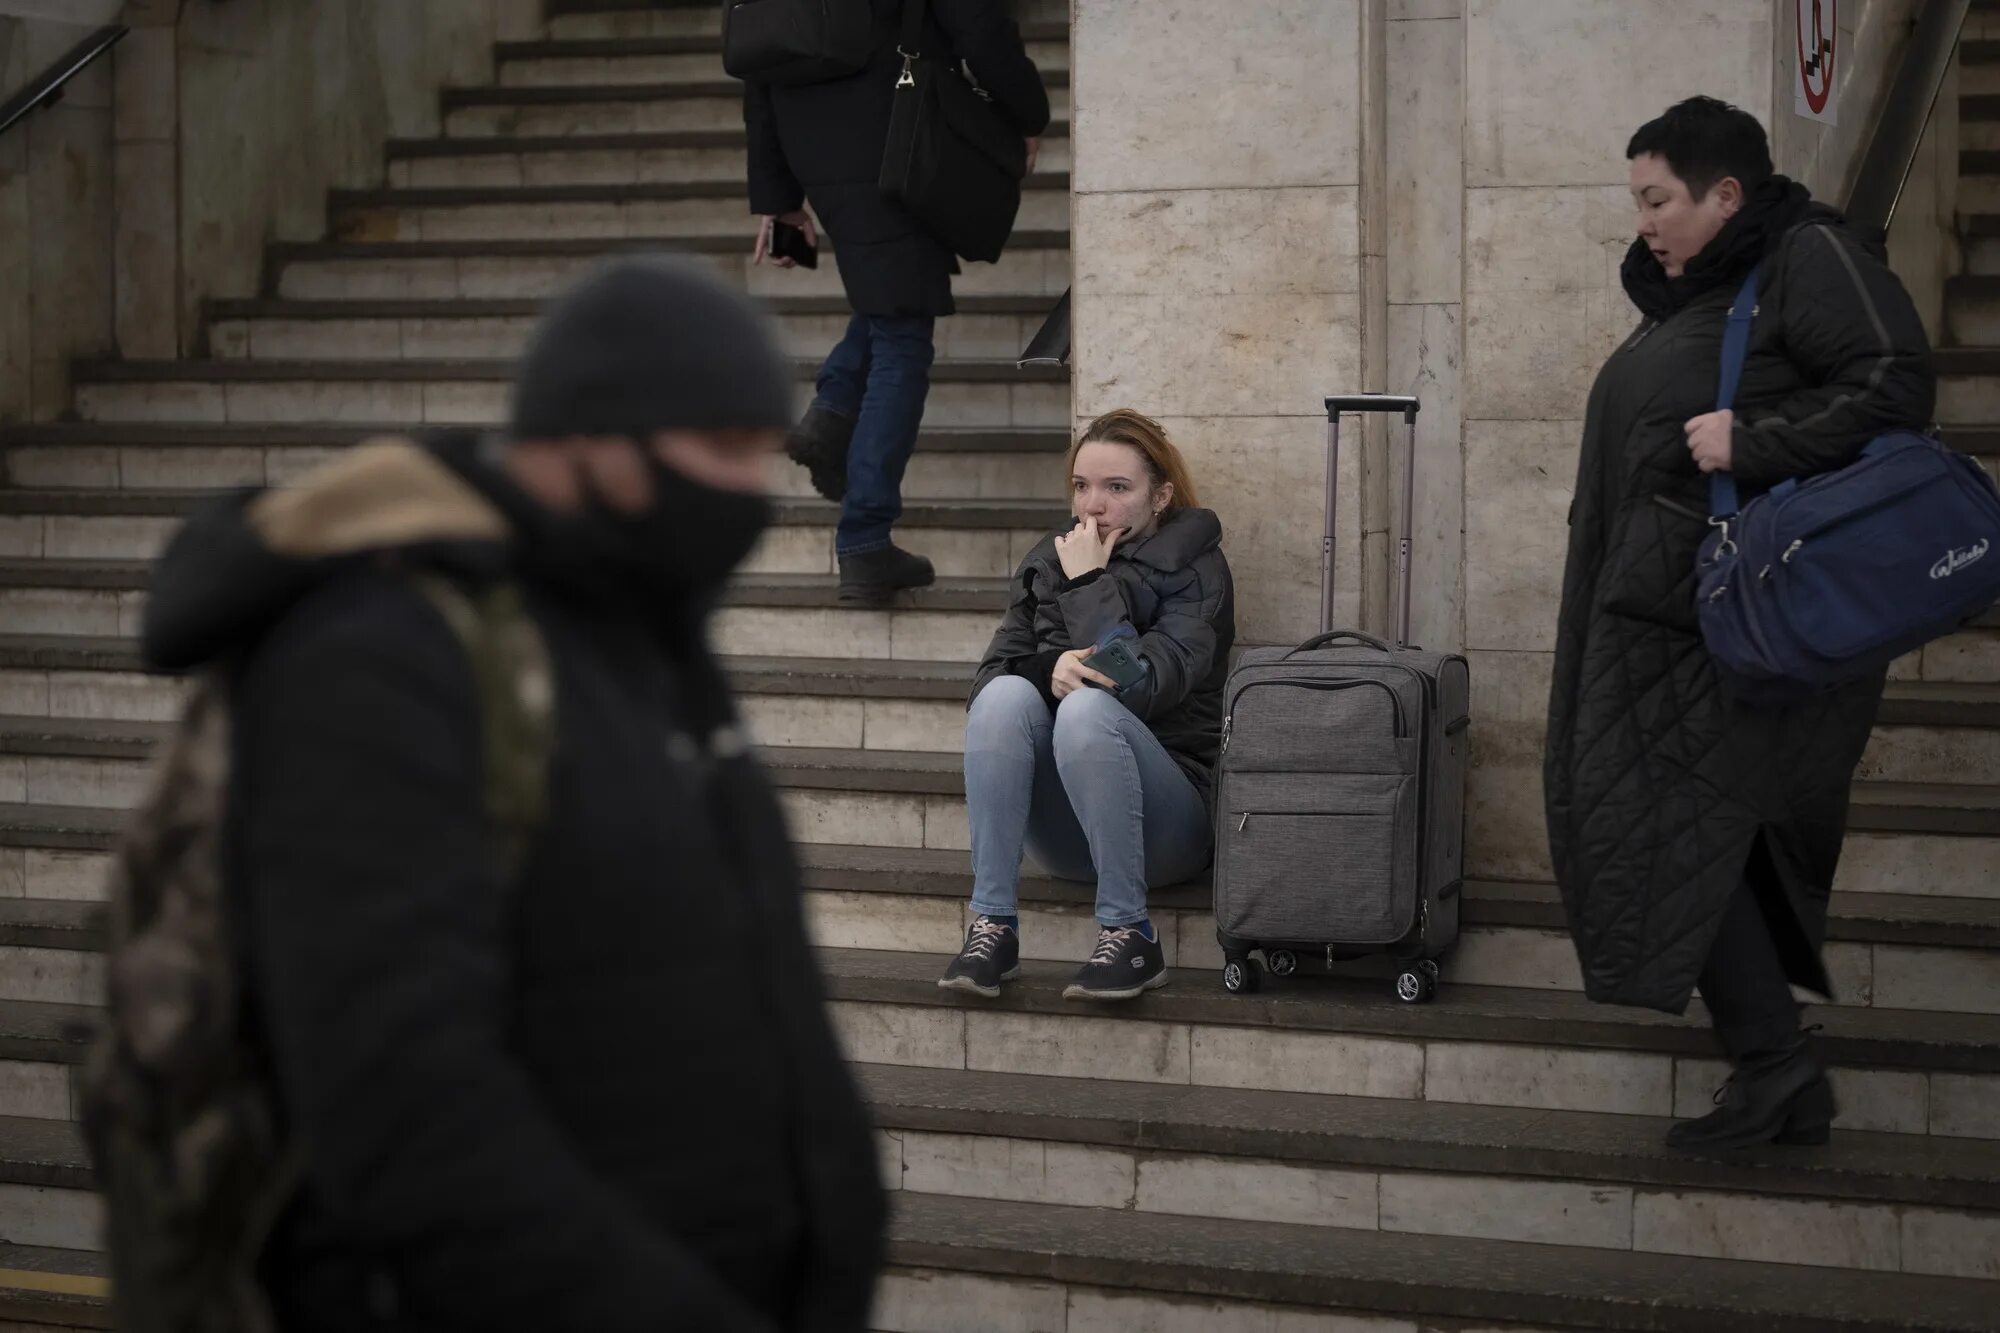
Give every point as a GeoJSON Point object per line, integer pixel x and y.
{"type": "Point", "coordinates": [1339, 875]}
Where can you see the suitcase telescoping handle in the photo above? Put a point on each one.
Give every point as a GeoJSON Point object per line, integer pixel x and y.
{"type": "Point", "coordinates": [1322, 640]}
{"type": "Point", "coordinates": [1369, 402]}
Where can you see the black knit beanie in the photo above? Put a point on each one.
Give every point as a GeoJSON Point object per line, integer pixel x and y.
{"type": "Point", "coordinates": [651, 344]}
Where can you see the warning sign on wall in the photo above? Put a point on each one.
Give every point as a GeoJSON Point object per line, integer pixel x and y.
{"type": "Point", "coordinates": [1818, 29]}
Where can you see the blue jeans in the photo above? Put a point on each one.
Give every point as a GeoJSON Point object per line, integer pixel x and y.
{"type": "Point", "coordinates": [1089, 792]}
{"type": "Point", "coordinates": [877, 377]}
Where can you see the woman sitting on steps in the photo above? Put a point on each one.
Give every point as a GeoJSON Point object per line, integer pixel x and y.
{"type": "Point", "coordinates": [1100, 783]}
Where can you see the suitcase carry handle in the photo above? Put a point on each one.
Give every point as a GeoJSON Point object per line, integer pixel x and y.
{"type": "Point", "coordinates": [1321, 640]}
{"type": "Point", "coordinates": [1369, 402]}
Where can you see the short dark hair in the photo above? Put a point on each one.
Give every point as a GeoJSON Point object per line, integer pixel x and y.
{"type": "Point", "coordinates": [1705, 140]}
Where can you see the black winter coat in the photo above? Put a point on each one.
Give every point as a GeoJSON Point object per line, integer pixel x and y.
{"type": "Point", "coordinates": [1171, 587]}
{"type": "Point", "coordinates": [1658, 785]}
{"type": "Point", "coordinates": [823, 142]}
{"type": "Point", "coordinates": [545, 1105]}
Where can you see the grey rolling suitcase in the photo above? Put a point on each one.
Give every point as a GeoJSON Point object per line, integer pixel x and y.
{"type": "Point", "coordinates": [1340, 790]}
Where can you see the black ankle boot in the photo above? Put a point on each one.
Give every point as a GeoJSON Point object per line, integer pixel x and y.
{"type": "Point", "coordinates": [876, 576]}
{"type": "Point", "coordinates": [1781, 1096]}
{"type": "Point", "coordinates": [819, 445]}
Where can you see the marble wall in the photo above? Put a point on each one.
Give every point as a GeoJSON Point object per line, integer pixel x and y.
{"type": "Point", "coordinates": [211, 129]}
{"type": "Point", "coordinates": [280, 101]}
{"type": "Point", "coordinates": [1223, 253]}
{"type": "Point", "coordinates": [1218, 281]}
{"type": "Point", "coordinates": [55, 223]}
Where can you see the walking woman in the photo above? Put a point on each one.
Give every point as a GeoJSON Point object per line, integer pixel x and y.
{"type": "Point", "coordinates": [1100, 783]}
{"type": "Point", "coordinates": [1695, 835]}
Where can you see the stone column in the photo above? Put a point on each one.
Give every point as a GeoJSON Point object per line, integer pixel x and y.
{"type": "Point", "coordinates": [1217, 239]}
{"type": "Point", "coordinates": [145, 132]}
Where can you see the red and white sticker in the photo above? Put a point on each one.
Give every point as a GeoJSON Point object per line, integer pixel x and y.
{"type": "Point", "coordinates": [1818, 38]}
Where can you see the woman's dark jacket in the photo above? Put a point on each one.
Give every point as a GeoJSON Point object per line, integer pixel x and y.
{"type": "Point", "coordinates": [824, 142]}
{"type": "Point", "coordinates": [538, 1105]}
{"type": "Point", "coordinates": [1658, 784]}
{"type": "Point", "coordinates": [1172, 588]}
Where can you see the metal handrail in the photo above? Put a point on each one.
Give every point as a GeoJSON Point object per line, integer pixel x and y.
{"type": "Point", "coordinates": [1892, 152]}
{"type": "Point", "coordinates": [1050, 345]}
{"type": "Point", "coordinates": [46, 88]}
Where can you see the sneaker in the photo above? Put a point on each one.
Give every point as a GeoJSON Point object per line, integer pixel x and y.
{"type": "Point", "coordinates": [992, 954]}
{"type": "Point", "coordinates": [819, 445]}
{"type": "Point", "coordinates": [877, 576]}
{"type": "Point", "coordinates": [1126, 965]}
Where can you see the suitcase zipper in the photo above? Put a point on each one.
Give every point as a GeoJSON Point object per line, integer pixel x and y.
{"type": "Point", "coordinates": [1395, 704]}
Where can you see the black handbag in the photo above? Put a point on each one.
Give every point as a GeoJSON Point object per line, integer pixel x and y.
{"type": "Point", "coordinates": [952, 159]}
{"type": "Point", "coordinates": [792, 42]}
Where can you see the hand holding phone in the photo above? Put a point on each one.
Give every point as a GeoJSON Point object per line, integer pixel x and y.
{"type": "Point", "coordinates": [1119, 660]}
{"type": "Point", "coordinates": [790, 242]}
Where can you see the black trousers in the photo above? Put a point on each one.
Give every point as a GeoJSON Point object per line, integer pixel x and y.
{"type": "Point", "coordinates": [1743, 984]}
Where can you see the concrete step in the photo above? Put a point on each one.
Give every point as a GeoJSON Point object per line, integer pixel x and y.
{"type": "Point", "coordinates": [950, 463]}
{"type": "Point", "coordinates": [1878, 1202]}
{"type": "Point", "coordinates": [569, 20]}
{"type": "Point", "coordinates": [917, 705]}
{"type": "Point", "coordinates": [1897, 1071]}
{"type": "Point", "coordinates": [1162, 1260]}
{"type": "Point", "coordinates": [1093, 1270]}
{"type": "Point", "coordinates": [1884, 951]}
{"type": "Point", "coordinates": [1362, 1164]}
{"type": "Point", "coordinates": [591, 61]}
{"type": "Point", "coordinates": [710, 102]}
{"type": "Point", "coordinates": [775, 615]}
{"type": "Point", "coordinates": [53, 1291]}
{"type": "Point", "coordinates": [576, 212]}
{"type": "Point", "coordinates": [1035, 264]}
{"type": "Point", "coordinates": [986, 328]}
{"type": "Point", "coordinates": [966, 538]}
{"type": "Point", "coordinates": [963, 393]}
{"type": "Point", "coordinates": [604, 159]}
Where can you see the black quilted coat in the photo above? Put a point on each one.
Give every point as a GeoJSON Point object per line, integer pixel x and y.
{"type": "Point", "coordinates": [1659, 785]}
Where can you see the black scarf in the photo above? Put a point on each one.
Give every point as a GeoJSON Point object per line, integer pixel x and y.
{"type": "Point", "coordinates": [1771, 210]}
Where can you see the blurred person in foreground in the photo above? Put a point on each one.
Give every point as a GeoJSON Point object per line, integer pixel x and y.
{"type": "Point", "coordinates": [590, 1086]}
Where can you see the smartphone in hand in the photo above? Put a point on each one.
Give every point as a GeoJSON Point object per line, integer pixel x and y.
{"type": "Point", "coordinates": [1120, 661]}
{"type": "Point", "coordinates": [789, 242]}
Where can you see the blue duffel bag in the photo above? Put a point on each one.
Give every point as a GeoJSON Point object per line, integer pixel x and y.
{"type": "Point", "coordinates": [1825, 578]}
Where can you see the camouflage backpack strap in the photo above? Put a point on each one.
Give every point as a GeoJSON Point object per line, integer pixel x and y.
{"type": "Point", "coordinates": [515, 682]}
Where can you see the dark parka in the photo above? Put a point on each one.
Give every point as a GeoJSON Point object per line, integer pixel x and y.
{"type": "Point", "coordinates": [1659, 785]}
{"type": "Point", "coordinates": [550, 1104]}
{"type": "Point", "coordinates": [1173, 589]}
{"type": "Point", "coordinates": [823, 142]}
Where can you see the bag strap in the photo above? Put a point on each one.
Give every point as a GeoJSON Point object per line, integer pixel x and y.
{"type": "Point", "coordinates": [912, 46]}
{"type": "Point", "coordinates": [516, 688]}
{"type": "Point", "coordinates": [1722, 498]}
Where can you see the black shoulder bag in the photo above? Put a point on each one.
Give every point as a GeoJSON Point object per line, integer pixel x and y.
{"type": "Point", "coordinates": [792, 42]}
{"type": "Point", "coordinates": [952, 160]}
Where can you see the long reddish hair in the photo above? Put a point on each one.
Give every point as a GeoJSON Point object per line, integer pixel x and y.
{"type": "Point", "coordinates": [1138, 431]}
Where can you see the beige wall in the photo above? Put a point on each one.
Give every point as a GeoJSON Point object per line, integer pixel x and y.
{"type": "Point", "coordinates": [1218, 278]}
{"type": "Point", "coordinates": [213, 128]}
{"type": "Point", "coordinates": [55, 223]}
{"type": "Point", "coordinates": [1224, 281]}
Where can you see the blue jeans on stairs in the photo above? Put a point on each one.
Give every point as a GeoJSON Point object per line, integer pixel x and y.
{"type": "Point", "coordinates": [878, 377]}
{"type": "Point", "coordinates": [1089, 792]}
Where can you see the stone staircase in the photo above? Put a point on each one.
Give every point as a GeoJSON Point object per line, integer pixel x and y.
{"type": "Point", "coordinates": [1309, 1159]}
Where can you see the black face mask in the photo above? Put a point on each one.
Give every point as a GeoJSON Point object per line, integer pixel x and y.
{"type": "Point", "coordinates": [679, 548]}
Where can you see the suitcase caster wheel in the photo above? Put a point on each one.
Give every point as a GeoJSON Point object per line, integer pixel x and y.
{"type": "Point", "coordinates": [1283, 962]}
{"type": "Point", "coordinates": [1239, 976]}
{"type": "Point", "coordinates": [1414, 986]}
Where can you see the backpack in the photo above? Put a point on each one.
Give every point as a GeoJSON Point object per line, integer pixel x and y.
{"type": "Point", "coordinates": [178, 1099]}
{"type": "Point", "coordinates": [793, 42]}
